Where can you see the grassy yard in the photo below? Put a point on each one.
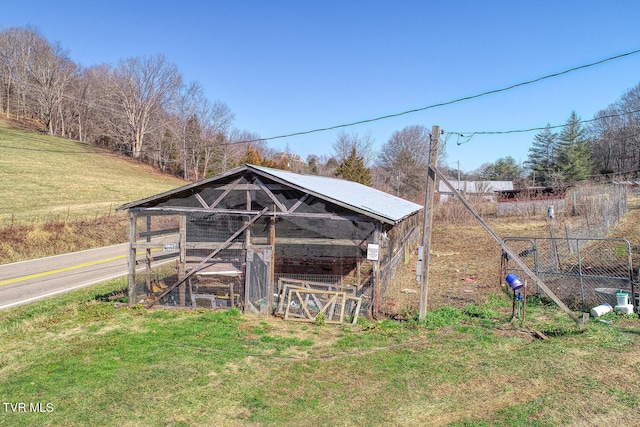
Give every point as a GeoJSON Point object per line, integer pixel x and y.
{"type": "Point", "coordinates": [77, 360]}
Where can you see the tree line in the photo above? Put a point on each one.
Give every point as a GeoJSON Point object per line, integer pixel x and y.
{"type": "Point", "coordinates": [603, 148]}
{"type": "Point", "coordinates": [141, 107]}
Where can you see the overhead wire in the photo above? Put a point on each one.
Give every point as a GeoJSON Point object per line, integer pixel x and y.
{"type": "Point", "coordinates": [454, 101]}
{"type": "Point", "coordinates": [432, 106]}
{"type": "Point", "coordinates": [469, 135]}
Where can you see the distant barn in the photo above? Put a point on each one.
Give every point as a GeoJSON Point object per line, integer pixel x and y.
{"type": "Point", "coordinates": [474, 190]}
{"type": "Point", "coordinates": [237, 238]}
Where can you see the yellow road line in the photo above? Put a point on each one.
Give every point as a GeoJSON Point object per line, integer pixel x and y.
{"type": "Point", "coordinates": [60, 270]}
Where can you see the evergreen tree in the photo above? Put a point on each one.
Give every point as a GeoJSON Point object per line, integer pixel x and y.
{"type": "Point", "coordinates": [352, 168]}
{"type": "Point", "coordinates": [574, 153]}
{"type": "Point", "coordinates": [542, 159]}
{"type": "Point", "coordinates": [504, 169]}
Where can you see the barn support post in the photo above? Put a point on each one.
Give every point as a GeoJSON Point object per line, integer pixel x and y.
{"type": "Point", "coordinates": [376, 272]}
{"type": "Point", "coordinates": [247, 233]}
{"type": "Point", "coordinates": [147, 270]}
{"type": "Point", "coordinates": [272, 270]}
{"type": "Point", "coordinates": [182, 261]}
{"type": "Point", "coordinates": [131, 279]}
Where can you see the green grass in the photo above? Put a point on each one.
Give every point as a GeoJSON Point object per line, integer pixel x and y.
{"type": "Point", "coordinates": [45, 178]}
{"type": "Point", "coordinates": [95, 364]}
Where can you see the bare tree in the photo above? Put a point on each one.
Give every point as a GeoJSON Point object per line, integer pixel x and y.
{"type": "Point", "coordinates": [345, 143]}
{"type": "Point", "coordinates": [403, 162]}
{"type": "Point", "coordinates": [83, 101]}
{"type": "Point", "coordinates": [141, 88]}
{"type": "Point", "coordinates": [235, 147]}
{"type": "Point", "coordinates": [616, 136]}
{"type": "Point", "coordinates": [200, 128]}
{"type": "Point", "coordinates": [18, 54]}
{"type": "Point", "coordinates": [52, 73]}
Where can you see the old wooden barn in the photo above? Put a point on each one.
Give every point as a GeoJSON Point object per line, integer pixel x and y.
{"type": "Point", "coordinates": [253, 237]}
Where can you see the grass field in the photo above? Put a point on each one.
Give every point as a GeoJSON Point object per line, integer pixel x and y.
{"type": "Point", "coordinates": [59, 196]}
{"type": "Point", "coordinates": [45, 179]}
{"type": "Point", "coordinates": [77, 360]}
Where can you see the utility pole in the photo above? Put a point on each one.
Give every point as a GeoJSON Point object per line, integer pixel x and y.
{"type": "Point", "coordinates": [428, 218]}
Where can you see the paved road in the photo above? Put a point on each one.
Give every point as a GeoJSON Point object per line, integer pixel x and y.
{"type": "Point", "coordinates": [27, 281]}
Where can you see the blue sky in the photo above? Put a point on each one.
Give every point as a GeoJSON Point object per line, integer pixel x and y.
{"type": "Point", "coordinates": [291, 66]}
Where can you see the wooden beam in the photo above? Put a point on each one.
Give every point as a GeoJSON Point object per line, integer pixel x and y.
{"type": "Point", "coordinates": [227, 191]}
{"type": "Point", "coordinates": [508, 251]}
{"type": "Point", "coordinates": [202, 201]}
{"type": "Point", "coordinates": [173, 210]}
{"type": "Point", "coordinates": [299, 202]}
{"type": "Point", "coordinates": [428, 220]}
{"type": "Point", "coordinates": [182, 261]}
{"type": "Point", "coordinates": [275, 200]}
{"type": "Point", "coordinates": [272, 270]}
{"type": "Point", "coordinates": [148, 255]}
{"type": "Point", "coordinates": [131, 279]}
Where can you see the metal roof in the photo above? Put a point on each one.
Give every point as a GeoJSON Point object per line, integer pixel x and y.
{"type": "Point", "coordinates": [362, 198]}
{"type": "Point", "coordinates": [357, 197]}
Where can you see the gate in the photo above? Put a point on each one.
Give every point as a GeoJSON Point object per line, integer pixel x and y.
{"type": "Point", "coordinates": [582, 272]}
{"type": "Point", "coordinates": [258, 285]}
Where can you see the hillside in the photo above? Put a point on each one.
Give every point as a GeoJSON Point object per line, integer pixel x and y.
{"type": "Point", "coordinates": [60, 195]}
{"type": "Point", "coordinates": [45, 178]}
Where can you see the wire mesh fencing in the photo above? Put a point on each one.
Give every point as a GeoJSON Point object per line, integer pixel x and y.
{"type": "Point", "coordinates": [568, 253]}
{"type": "Point", "coordinates": [579, 271]}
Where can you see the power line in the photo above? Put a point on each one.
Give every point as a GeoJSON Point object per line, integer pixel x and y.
{"type": "Point", "coordinates": [454, 101]}
{"type": "Point", "coordinates": [470, 135]}
{"type": "Point", "coordinates": [432, 106]}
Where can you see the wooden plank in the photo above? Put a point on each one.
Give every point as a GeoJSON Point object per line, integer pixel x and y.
{"type": "Point", "coordinates": [202, 201]}
{"type": "Point", "coordinates": [329, 305]}
{"type": "Point", "coordinates": [154, 245]}
{"type": "Point", "coordinates": [343, 307]}
{"type": "Point", "coordinates": [131, 279]}
{"type": "Point", "coordinates": [176, 210]}
{"type": "Point", "coordinates": [286, 314]}
{"type": "Point", "coordinates": [223, 195]}
{"type": "Point", "coordinates": [300, 201]}
{"type": "Point", "coordinates": [275, 200]}
{"type": "Point", "coordinates": [160, 232]}
{"type": "Point", "coordinates": [148, 258]}
{"type": "Point", "coordinates": [357, 310]}
{"type": "Point", "coordinates": [428, 220]}
{"type": "Point", "coordinates": [302, 304]}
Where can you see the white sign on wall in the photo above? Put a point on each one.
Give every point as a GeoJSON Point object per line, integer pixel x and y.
{"type": "Point", "coordinates": [372, 251]}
